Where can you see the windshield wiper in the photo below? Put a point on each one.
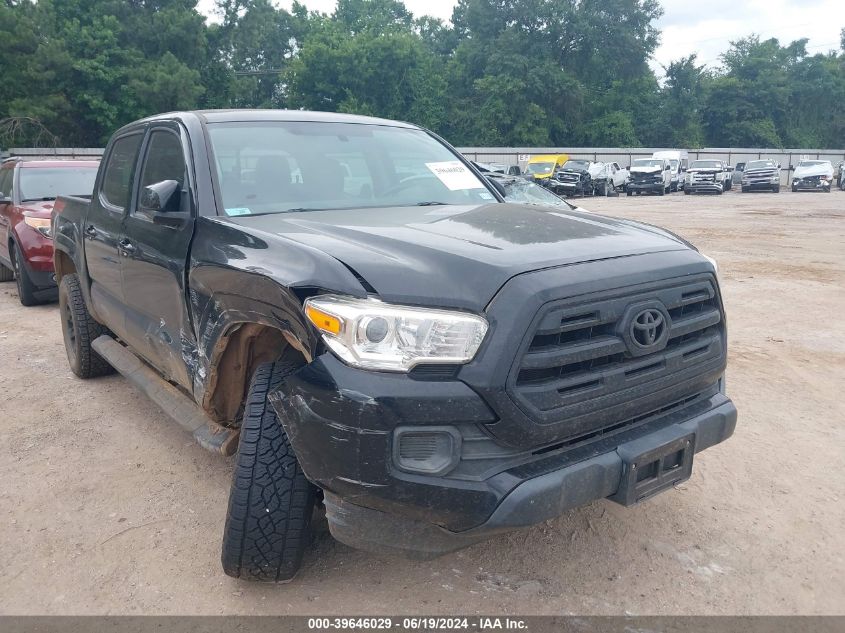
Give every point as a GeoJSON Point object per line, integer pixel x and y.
{"type": "Point", "coordinates": [44, 199]}
{"type": "Point", "coordinates": [431, 203]}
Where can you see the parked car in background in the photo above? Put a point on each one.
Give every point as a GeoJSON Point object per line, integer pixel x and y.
{"type": "Point", "coordinates": [543, 166]}
{"type": "Point", "coordinates": [433, 364]}
{"type": "Point", "coordinates": [707, 175]}
{"type": "Point", "coordinates": [499, 168]}
{"type": "Point", "coordinates": [588, 178]}
{"type": "Point", "coordinates": [649, 175]}
{"type": "Point", "coordinates": [761, 175]}
{"type": "Point", "coordinates": [28, 189]}
{"type": "Point", "coordinates": [736, 175]}
{"type": "Point", "coordinates": [522, 191]}
{"type": "Point", "coordinates": [813, 175]}
{"type": "Point", "coordinates": [679, 161]}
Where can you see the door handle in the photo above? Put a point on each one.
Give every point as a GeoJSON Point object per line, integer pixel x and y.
{"type": "Point", "coordinates": [126, 246]}
{"type": "Point", "coordinates": [91, 230]}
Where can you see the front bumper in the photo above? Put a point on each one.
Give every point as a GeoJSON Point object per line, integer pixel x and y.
{"type": "Point", "coordinates": [811, 184]}
{"type": "Point", "coordinates": [695, 187]}
{"type": "Point", "coordinates": [341, 423]}
{"type": "Point", "coordinates": [646, 186]}
{"type": "Point", "coordinates": [761, 185]}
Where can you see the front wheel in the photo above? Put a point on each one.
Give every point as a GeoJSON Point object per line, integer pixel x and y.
{"type": "Point", "coordinates": [629, 193]}
{"type": "Point", "coordinates": [662, 191]}
{"type": "Point", "coordinates": [268, 525]}
{"type": "Point", "coordinates": [26, 289]}
{"type": "Point", "coordinates": [776, 189]}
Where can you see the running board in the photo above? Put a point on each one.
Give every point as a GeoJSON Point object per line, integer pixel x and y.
{"type": "Point", "coordinates": [208, 433]}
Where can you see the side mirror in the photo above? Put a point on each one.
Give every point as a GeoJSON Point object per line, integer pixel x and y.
{"type": "Point", "coordinates": [164, 201]}
{"type": "Point", "coordinates": [161, 197]}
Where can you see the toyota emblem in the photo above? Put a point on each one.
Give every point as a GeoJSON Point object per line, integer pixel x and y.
{"type": "Point", "coordinates": [648, 327]}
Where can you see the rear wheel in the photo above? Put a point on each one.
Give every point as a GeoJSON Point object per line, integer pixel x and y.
{"type": "Point", "coordinates": [80, 330]}
{"type": "Point", "coordinates": [26, 289]}
{"type": "Point", "coordinates": [268, 525]}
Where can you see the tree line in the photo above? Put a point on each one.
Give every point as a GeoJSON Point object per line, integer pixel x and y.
{"type": "Point", "coordinates": [503, 73]}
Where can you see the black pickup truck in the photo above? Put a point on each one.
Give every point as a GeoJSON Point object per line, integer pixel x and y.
{"type": "Point", "coordinates": [351, 307]}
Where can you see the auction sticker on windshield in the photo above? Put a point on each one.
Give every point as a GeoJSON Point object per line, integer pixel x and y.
{"type": "Point", "coordinates": [455, 175]}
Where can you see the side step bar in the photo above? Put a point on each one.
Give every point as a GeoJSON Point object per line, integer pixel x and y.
{"type": "Point", "coordinates": [208, 433]}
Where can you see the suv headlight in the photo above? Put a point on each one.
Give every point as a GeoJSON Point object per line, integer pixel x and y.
{"type": "Point", "coordinates": [42, 225]}
{"type": "Point", "coordinates": [371, 334]}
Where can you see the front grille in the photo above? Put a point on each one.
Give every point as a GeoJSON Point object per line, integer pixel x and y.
{"type": "Point", "coordinates": [580, 366]}
{"type": "Point", "coordinates": [703, 178]}
{"type": "Point", "coordinates": [564, 177]}
{"type": "Point", "coordinates": [646, 178]}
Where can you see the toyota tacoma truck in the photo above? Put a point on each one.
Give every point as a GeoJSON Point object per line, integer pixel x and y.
{"type": "Point", "coordinates": [352, 308]}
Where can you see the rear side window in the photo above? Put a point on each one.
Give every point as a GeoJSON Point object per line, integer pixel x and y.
{"type": "Point", "coordinates": [117, 180]}
{"type": "Point", "coordinates": [6, 181]}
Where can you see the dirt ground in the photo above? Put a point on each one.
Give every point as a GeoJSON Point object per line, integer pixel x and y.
{"type": "Point", "coordinates": [107, 507]}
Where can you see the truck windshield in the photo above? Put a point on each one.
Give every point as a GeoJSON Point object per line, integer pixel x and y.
{"type": "Point", "coordinates": [527, 192]}
{"type": "Point", "coordinates": [759, 164]}
{"type": "Point", "coordinates": [47, 183]}
{"type": "Point", "coordinates": [705, 164]}
{"type": "Point", "coordinates": [540, 168]}
{"type": "Point", "coordinates": [277, 167]}
{"type": "Point", "coordinates": [576, 164]}
{"type": "Point", "coordinates": [647, 162]}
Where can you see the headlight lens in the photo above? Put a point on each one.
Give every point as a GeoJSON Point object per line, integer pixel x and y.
{"type": "Point", "coordinates": [371, 334]}
{"type": "Point", "coordinates": [42, 225]}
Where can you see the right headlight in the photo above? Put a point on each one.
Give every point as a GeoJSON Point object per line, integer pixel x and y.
{"type": "Point", "coordinates": [371, 334]}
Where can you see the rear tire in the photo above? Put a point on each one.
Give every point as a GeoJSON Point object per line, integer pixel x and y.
{"type": "Point", "coordinates": [26, 289]}
{"type": "Point", "coordinates": [268, 525]}
{"type": "Point", "coordinates": [80, 330]}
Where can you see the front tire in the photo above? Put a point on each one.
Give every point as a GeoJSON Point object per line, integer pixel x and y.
{"type": "Point", "coordinates": [268, 525]}
{"type": "Point", "coordinates": [26, 289]}
{"type": "Point", "coordinates": [776, 189]}
{"type": "Point", "coordinates": [80, 330]}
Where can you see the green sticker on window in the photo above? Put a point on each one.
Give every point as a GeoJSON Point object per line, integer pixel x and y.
{"type": "Point", "coordinates": [238, 211]}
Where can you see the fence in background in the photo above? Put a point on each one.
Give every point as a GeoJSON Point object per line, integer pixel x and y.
{"type": "Point", "coordinates": [788, 158]}
{"type": "Point", "coordinates": [52, 152]}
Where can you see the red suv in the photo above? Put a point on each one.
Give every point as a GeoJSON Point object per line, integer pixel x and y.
{"type": "Point", "coordinates": [28, 189]}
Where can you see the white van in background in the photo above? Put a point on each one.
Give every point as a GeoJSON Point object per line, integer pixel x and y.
{"type": "Point", "coordinates": [679, 160]}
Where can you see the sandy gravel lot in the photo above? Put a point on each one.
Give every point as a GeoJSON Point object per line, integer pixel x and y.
{"type": "Point", "coordinates": [107, 507]}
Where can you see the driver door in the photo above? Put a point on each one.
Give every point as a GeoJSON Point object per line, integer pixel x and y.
{"type": "Point", "coordinates": [153, 251]}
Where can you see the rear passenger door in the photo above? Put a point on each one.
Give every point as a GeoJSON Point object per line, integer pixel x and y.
{"type": "Point", "coordinates": [154, 248]}
{"type": "Point", "coordinates": [103, 226]}
{"type": "Point", "coordinates": [6, 177]}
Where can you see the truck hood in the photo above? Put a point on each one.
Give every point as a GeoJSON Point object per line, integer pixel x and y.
{"type": "Point", "coordinates": [456, 256]}
{"type": "Point", "coordinates": [645, 170]}
{"type": "Point", "coordinates": [813, 170]}
{"type": "Point", "coordinates": [705, 170]}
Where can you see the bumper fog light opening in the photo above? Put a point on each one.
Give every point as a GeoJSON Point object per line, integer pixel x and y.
{"type": "Point", "coordinates": [426, 450]}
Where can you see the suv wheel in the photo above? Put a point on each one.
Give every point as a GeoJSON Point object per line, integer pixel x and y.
{"type": "Point", "coordinates": [80, 330]}
{"type": "Point", "coordinates": [268, 525]}
{"type": "Point", "coordinates": [26, 289]}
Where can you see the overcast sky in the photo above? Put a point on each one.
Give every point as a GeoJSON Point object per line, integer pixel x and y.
{"type": "Point", "coordinates": [695, 26]}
